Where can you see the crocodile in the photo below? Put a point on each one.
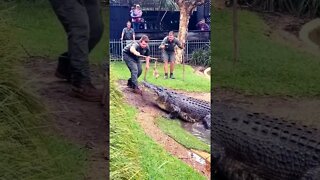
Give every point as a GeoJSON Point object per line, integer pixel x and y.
{"type": "Point", "coordinates": [180, 106]}
{"type": "Point", "coordinates": [255, 146]}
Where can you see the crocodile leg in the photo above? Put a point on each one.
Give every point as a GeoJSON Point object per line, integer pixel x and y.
{"type": "Point", "coordinates": [174, 112]}
{"type": "Point", "coordinates": [312, 174]}
{"type": "Point", "coordinates": [207, 121]}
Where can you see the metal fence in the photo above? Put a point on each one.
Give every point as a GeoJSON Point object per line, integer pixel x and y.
{"type": "Point", "coordinates": [116, 47]}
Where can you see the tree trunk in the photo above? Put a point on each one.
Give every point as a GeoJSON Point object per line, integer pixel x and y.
{"type": "Point", "coordinates": [183, 30]}
{"type": "Point", "coordinates": [186, 9]}
{"type": "Point", "coordinates": [235, 33]}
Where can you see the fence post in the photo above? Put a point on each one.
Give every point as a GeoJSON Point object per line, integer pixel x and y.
{"type": "Point", "coordinates": [187, 53]}
{"type": "Point", "coordinates": [121, 48]}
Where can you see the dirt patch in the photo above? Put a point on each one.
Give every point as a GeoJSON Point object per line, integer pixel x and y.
{"type": "Point", "coordinates": [80, 122]}
{"type": "Point", "coordinates": [147, 115]}
{"type": "Point", "coordinates": [285, 29]}
{"type": "Point", "coordinates": [219, 4]}
{"type": "Point", "coordinates": [303, 110]}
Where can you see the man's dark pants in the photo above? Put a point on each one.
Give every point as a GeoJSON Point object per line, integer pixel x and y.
{"type": "Point", "coordinates": [135, 68]}
{"type": "Point", "coordinates": [83, 24]}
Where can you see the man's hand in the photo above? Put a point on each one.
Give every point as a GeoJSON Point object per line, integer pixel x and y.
{"type": "Point", "coordinates": [162, 46]}
{"type": "Point", "coordinates": [137, 53]}
{"type": "Point", "coordinates": [121, 39]}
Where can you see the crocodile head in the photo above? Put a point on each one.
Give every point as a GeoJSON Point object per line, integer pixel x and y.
{"type": "Point", "coordinates": [159, 94]}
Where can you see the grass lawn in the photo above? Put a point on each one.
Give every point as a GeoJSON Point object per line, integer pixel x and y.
{"type": "Point", "coordinates": [41, 34]}
{"type": "Point", "coordinates": [192, 81]}
{"type": "Point", "coordinates": [132, 153]}
{"type": "Point", "coordinates": [266, 67]}
{"type": "Point", "coordinates": [173, 129]}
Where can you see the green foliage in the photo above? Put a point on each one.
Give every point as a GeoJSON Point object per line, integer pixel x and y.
{"type": "Point", "coordinates": [265, 66]}
{"type": "Point", "coordinates": [124, 154]}
{"type": "Point", "coordinates": [173, 129]}
{"type": "Point", "coordinates": [201, 58]}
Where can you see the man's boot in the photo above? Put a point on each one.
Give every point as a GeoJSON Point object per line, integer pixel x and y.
{"type": "Point", "coordinates": [130, 84]}
{"type": "Point", "coordinates": [171, 76]}
{"type": "Point", "coordinates": [137, 90]}
{"type": "Point", "coordinates": [63, 69]}
{"type": "Point", "coordinates": [166, 75]}
{"type": "Point", "coordinates": [87, 92]}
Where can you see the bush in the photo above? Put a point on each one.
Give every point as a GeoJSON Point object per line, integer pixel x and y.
{"type": "Point", "coordinates": [200, 58]}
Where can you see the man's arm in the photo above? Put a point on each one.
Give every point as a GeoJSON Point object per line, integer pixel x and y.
{"type": "Point", "coordinates": [162, 45]}
{"type": "Point", "coordinates": [179, 44]}
{"type": "Point", "coordinates": [122, 34]}
{"type": "Point", "coordinates": [134, 50]}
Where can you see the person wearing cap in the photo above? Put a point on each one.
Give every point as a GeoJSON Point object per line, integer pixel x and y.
{"type": "Point", "coordinates": [131, 54]}
{"type": "Point", "coordinates": [168, 54]}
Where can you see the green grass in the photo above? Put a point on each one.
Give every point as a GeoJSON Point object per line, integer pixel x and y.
{"type": "Point", "coordinates": [266, 67]}
{"type": "Point", "coordinates": [132, 153]}
{"type": "Point", "coordinates": [28, 148]}
{"type": "Point", "coordinates": [193, 82]}
{"type": "Point", "coordinates": [173, 129]}
{"type": "Point", "coordinates": [41, 34]}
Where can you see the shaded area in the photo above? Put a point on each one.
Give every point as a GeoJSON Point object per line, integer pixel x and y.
{"type": "Point", "coordinates": [76, 120]}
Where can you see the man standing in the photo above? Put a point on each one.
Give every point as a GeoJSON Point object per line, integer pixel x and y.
{"type": "Point", "coordinates": [168, 55]}
{"type": "Point", "coordinates": [131, 55]}
{"type": "Point", "coordinates": [128, 33]}
{"type": "Point", "coordinates": [83, 24]}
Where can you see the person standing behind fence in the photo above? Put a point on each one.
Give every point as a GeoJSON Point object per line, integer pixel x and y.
{"type": "Point", "coordinates": [128, 33]}
{"type": "Point", "coordinates": [202, 25]}
{"type": "Point", "coordinates": [131, 54]}
{"type": "Point", "coordinates": [168, 54]}
{"type": "Point", "coordinates": [136, 14]}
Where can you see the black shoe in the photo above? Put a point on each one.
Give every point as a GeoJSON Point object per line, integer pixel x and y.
{"type": "Point", "coordinates": [130, 84]}
{"type": "Point", "coordinates": [63, 69]}
{"type": "Point", "coordinates": [87, 92]}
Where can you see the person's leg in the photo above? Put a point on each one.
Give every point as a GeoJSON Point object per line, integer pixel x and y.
{"type": "Point", "coordinates": [63, 68]}
{"type": "Point", "coordinates": [95, 22]}
{"type": "Point", "coordinates": [95, 31]}
{"type": "Point", "coordinates": [73, 15]}
{"type": "Point", "coordinates": [172, 63]}
{"type": "Point", "coordinates": [125, 58]}
{"type": "Point", "coordinates": [165, 66]}
{"type": "Point", "coordinates": [139, 68]}
{"type": "Point", "coordinates": [133, 67]}
{"type": "Point", "coordinates": [135, 25]}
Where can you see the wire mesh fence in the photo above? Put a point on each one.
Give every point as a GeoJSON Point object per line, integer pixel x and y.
{"type": "Point", "coordinates": [116, 48]}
